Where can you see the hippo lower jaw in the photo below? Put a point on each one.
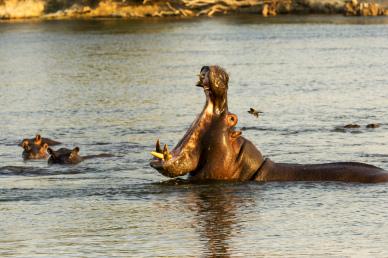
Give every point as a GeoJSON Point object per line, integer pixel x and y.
{"type": "Point", "coordinates": [174, 167]}
{"type": "Point", "coordinates": [184, 158]}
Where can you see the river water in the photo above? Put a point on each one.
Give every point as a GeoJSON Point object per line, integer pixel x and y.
{"type": "Point", "coordinates": [115, 86]}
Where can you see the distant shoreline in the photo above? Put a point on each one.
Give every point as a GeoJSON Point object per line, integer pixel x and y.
{"type": "Point", "coordinates": [238, 18]}
{"type": "Point", "coordinates": [52, 10]}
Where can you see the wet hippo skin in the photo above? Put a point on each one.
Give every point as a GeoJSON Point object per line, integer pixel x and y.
{"type": "Point", "coordinates": [212, 149]}
{"type": "Point", "coordinates": [36, 148]}
{"type": "Point", "coordinates": [64, 156]}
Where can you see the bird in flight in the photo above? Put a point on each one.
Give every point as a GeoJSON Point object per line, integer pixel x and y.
{"type": "Point", "coordinates": [254, 112]}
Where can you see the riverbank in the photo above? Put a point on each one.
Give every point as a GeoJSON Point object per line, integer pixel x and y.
{"type": "Point", "coordinates": [57, 9]}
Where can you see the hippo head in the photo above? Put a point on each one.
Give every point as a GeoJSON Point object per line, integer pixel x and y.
{"type": "Point", "coordinates": [34, 148]}
{"type": "Point", "coordinates": [211, 147]}
{"type": "Point", "coordinates": [64, 156]}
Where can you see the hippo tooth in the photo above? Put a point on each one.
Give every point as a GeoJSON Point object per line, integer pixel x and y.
{"type": "Point", "coordinates": [157, 147]}
{"type": "Point", "coordinates": [157, 155]}
{"type": "Point", "coordinates": [166, 153]}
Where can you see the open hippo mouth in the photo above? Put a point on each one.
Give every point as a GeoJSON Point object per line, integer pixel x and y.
{"type": "Point", "coordinates": [211, 147]}
{"type": "Point", "coordinates": [185, 157]}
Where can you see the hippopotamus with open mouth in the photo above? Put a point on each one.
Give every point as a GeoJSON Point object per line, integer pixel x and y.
{"type": "Point", "coordinates": [212, 149]}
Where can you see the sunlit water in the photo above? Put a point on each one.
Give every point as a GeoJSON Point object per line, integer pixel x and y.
{"type": "Point", "coordinates": [115, 86]}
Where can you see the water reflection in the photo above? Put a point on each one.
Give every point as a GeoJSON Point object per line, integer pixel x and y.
{"type": "Point", "coordinates": [218, 216]}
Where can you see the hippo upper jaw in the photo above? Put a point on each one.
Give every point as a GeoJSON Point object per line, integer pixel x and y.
{"type": "Point", "coordinates": [214, 80]}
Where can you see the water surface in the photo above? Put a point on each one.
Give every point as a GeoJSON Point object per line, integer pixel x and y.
{"type": "Point", "coordinates": [115, 86]}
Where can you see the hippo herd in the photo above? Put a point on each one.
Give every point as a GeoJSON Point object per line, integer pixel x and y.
{"type": "Point", "coordinates": [212, 149]}
{"type": "Point", "coordinates": [38, 148]}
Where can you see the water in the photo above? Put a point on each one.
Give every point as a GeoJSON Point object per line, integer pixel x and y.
{"type": "Point", "coordinates": [115, 86]}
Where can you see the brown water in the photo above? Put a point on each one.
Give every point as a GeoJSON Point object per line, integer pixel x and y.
{"type": "Point", "coordinates": [117, 85]}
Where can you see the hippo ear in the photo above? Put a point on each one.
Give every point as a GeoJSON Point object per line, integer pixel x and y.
{"type": "Point", "coordinates": [25, 144]}
{"type": "Point", "coordinates": [22, 143]}
{"type": "Point", "coordinates": [74, 153]}
{"type": "Point", "coordinates": [45, 146]}
{"type": "Point", "coordinates": [38, 138]}
{"type": "Point", "coordinates": [50, 151]}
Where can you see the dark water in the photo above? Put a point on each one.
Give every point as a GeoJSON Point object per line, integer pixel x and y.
{"type": "Point", "coordinates": [115, 86]}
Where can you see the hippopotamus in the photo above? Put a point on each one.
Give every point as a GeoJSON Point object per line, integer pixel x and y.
{"type": "Point", "coordinates": [212, 149]}
{"type": "Point", "coordinates": [66, 156]}
{"type": "Point", "coordinates": [36, 148]}
{"type": "Point", "coordinates": [38, 139]}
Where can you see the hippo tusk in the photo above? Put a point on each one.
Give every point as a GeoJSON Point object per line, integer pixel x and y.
{"type": "Point", "coordinates": [157, 155]}
{"type": "Point", "coordinates": [157, 147]}
{"type": "Point", "coordinates": [166, 153]}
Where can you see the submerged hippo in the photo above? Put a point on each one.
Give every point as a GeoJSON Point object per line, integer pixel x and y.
{"type": "Point", "coordinates": [34, 151]}
{"type": "Point", "coordinates": [212, 149]}
{"type": "Point", "coordinates": [36, 148]}
{"type": "Point", "coordinates": [38, 139]}
{"type": "Point", "coordinates": [66, 156]}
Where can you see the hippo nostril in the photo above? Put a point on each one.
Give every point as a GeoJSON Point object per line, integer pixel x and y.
{"type": "Point", "coordinates": [205, 69]}
{"type": "Point", "coordinates": [232, 120]}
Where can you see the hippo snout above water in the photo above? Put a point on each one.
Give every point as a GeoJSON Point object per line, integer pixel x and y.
{"type": "Point", "coordinates": [212, 149]}
{"type": "Point", "coordinates": [36, 148]}
{"type": "Point", "coordinates": [66, 156]}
